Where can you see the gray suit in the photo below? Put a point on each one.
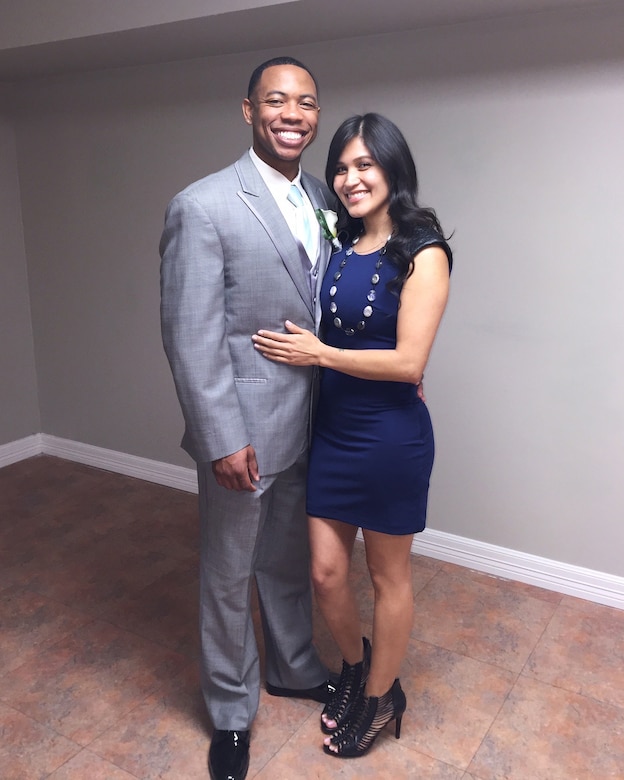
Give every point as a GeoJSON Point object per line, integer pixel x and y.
{"type": "Point", "coordinates": [230, 266]}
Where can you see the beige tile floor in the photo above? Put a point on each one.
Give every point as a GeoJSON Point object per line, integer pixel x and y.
{"type": "Point", "coordinates": [98, 655]}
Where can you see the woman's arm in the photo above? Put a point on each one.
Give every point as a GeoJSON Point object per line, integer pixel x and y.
{"type": "Point", "coordinates": [423, 299]}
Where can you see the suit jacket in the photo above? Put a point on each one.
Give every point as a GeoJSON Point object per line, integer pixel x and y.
{"type": "Point", "coordinates": [230, 266]}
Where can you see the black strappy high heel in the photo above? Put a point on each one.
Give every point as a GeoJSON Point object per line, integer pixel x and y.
{"type": "Point", "coordinates": [350, 688]}
{"type": "Point", "coordinates": [366, 723]}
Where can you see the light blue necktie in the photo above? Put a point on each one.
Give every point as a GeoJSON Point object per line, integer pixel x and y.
{"type": "Point", "coordinates": [304, 231]}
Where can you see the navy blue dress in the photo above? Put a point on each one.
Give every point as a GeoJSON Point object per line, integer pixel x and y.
{"type": "Point", "coordinates": [372, 446]}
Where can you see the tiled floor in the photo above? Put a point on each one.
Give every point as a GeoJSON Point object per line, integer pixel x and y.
{"type": "Point", "coordinates": [98, 656]}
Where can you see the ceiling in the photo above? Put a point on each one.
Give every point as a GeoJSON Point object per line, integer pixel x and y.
{"type": "Point", "coordinates": [107, 33]}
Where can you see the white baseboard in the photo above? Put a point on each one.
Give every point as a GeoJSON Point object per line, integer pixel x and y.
{"type": "Point", "coordinates": [21, 449]}
{"type": "Point", "coordinates": [121, 463]}
{"type": "Point", "coordinates": [565, 578]}
{"type": "Point", "coordinates": [576, 581]}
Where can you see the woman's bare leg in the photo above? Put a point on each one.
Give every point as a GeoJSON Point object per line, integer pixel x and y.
{"type": "Point", "coordinates": [331, 546]}
{"type": "Point", "coordinates": [388, 559]}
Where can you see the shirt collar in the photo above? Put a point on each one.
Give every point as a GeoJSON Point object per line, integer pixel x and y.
{"type": "Point", "coordinates": [275, 181]}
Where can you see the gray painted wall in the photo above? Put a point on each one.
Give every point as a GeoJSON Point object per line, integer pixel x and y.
{"type": "Point", "coordinates": [19, 410]}
{"type": "Point", "coordinates": [516, 129]}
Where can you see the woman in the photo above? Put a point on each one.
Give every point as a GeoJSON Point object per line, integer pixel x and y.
{"type": "Point", "coordinates": [383, 297]}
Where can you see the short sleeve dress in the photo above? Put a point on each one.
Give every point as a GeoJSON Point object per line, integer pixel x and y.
{"type": "Point", "coordinates": [372, 445]}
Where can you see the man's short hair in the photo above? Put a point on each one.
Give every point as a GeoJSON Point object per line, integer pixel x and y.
{"type": "Point", "coordinates": [255, 76]}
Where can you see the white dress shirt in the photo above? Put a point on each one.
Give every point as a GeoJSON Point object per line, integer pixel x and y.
{"type": "Point", "coordinates": [279, 187]}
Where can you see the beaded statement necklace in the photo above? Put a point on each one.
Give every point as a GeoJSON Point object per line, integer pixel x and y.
{"type": "Point", "coordinates": [368, 309]}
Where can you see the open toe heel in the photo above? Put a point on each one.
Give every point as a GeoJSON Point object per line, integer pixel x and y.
{"type": "Point", "coordinates": [350, 688]}
{"type": "Point", "coordinates": [366, 723]}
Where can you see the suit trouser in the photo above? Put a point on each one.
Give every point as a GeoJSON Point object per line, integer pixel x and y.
{"type": "Point", "coordinates": [262, 534]}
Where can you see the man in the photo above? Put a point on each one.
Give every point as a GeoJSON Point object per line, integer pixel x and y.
{"type": "Point", "coordinates": [231, 264]}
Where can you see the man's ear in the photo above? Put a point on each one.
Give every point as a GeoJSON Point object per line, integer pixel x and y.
{"type": "Point", "coordinates": [247, 110]}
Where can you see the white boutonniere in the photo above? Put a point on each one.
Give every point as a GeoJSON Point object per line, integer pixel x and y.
{"type": "Point", "coordinates": [328, 221]}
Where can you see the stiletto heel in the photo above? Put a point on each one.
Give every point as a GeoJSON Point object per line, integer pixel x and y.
{"type": "Point", "coordinates": [367, 721]}
{"type": "Point", "coordinates": [350, 688]}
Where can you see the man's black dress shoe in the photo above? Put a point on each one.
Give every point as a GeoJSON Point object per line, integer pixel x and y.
{"type": "Point", "coordinates": [228, 757]}
{"type": "Point", "coordinates": [321, 693]}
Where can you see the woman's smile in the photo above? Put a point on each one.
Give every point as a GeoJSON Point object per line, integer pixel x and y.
{"type": "Point", "coordinates": [360, 182]}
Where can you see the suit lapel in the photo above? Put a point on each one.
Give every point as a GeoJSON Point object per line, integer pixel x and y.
{"type": "Point", "coordinates": [261, 203]}
{"type": "Point", "coordinates": [317, 197]}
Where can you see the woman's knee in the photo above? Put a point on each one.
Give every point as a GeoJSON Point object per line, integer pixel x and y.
{"type": "Point", "coordinates": [391, 579]}
{"type": "Point", "coordinates": [327, 578]}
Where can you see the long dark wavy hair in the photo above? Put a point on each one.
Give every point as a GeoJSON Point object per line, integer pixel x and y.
{"type": "Point", "coordinates": [388, 147]}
